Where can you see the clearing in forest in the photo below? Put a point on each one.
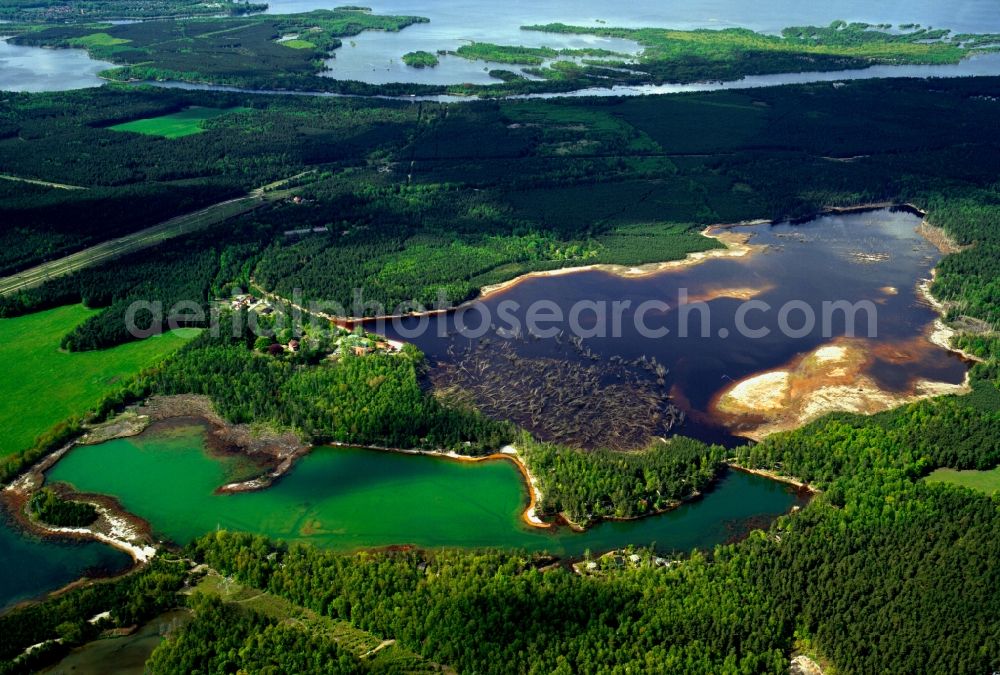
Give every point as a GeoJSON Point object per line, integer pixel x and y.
{"type": "Point", "coordinates": [175, 125]}
{"type": "Point", "coordinates": [43, 385]}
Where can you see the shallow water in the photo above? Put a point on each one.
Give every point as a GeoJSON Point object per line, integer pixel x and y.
{"type": "Point", "coordinates": [876, 256]}
{"type": "Point", "coordinates": [33, 566]}
{"type": "Point", "coordinates": [376, 57]}
{"type": "Point", "coordinates": [345, 499]}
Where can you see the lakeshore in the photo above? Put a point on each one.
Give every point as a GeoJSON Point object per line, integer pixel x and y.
{"type": "Point", "coordinates": [349, 498]}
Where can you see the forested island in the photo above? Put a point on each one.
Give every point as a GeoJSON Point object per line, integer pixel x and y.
{"type": "Point", "coordinates": [287, 52]}
{"type": "Point", "coordinates": [880, 572]}
{"type": "Point", "coordinates": [420, 59]}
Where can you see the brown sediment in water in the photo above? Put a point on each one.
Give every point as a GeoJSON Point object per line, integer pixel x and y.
{"type": "Point", "coordinates": [730, 292]}
{"type": "Point", "coordinates": [831, 378]}
{"type": "Point", "coordinates": [254, 441]}
{"type": "Point", "coordinates": [272, 451]}
{"type": "Point", "coordinates": [735, 245]}
{"type": "Point", "coordinates": [786, 398]}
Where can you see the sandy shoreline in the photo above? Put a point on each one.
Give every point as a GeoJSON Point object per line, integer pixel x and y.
{"type": "Point", "coordinates": [117, 529]}
{"type": "Point", "coordinates": [508, 452]}
{"type": "Point", "coordinates": [114, 526]}
{"type": "Point", "coordinates": [802, 485]}
{"type": "Point", "coordinates": [831, 378]}
{"type": "Point", "coordinates": [942, 334]}
{"type": "Point", "coordinates": [735, 245]}
{"type": "Point", "coordinates": [810, 386]}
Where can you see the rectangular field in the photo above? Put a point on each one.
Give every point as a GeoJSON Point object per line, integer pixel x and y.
{"type": "Point", "coordinates": [983, 481]}
{"type": "Point", "coordinates": [43, 385]}
{"type": "Point", "coordinates": [176, 125]}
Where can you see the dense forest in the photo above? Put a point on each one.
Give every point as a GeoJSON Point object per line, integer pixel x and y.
{"type": "Point", "coordinates": [877, 551]}
{"type": "Point", "coordinates": [881, 572]}
{"type": "Point", "coordinates": [52, 509]}
{"type": "Point", "coordinates": [417, 201]}
{"type": "Point", "coordinates": [224, 638]}
{"type": "Point", "coordinates": [588, 486]}
{"type": "Point", "coordinates": [63, 621]}
{"type": "Point", "coordinates": [375, 399]}
{"type": "Point", "coordinates": [132, 181]}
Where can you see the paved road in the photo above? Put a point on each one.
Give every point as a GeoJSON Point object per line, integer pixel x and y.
{"type": "Point", "coordinates": [142, 239]}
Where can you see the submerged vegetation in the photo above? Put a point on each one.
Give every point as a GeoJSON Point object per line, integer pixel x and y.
{"type": "Point", "coordinates": [64, 621]}
{"type": "Point", "coordinates": [372, 399]}
{"type": "Point", "coordinates": [881, 572]}
{"type": "Point", "coordinates": [600, 404]}
{"type": "Point", "coordinates": [729, 54]}
{"type": "Point", "coordinates": [288, 52]}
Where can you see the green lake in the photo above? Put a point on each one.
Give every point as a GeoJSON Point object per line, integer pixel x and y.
{"type": "Point", "coordinates": [346, 499]}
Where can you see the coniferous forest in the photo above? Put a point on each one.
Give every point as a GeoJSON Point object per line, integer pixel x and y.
{"type": "Point", "coordinates": [882, 571]}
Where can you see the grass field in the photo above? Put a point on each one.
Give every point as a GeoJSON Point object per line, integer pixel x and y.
{"type": "Point", "coordinates": [299, 44]}
{"type": "Point", "coordinates": [98, 40]}
{"type": "Point", "coordinates": [176, 125]}
{"type": "Point", "coordinates": [983, 481]}
{"type": "Point", "coordinates": [42, 385]}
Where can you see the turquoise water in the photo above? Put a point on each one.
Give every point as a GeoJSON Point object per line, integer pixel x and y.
{"type": "Point", "coordinates": [345, 499]}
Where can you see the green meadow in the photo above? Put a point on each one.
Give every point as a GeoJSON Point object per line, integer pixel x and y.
{"type": "Point", "coordinates": [176, 125]}
{"type": "Point", "coordinates": [43, 385]}
{"type": "Point", "coordinates": [983, 481]}
{"type": "Point", "coordinates": [299, 44]}
{"type": "Point", "coordinates": [98, 40]}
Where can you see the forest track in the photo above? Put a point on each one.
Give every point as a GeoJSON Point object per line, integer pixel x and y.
{"type": "Point", "coordinates": [143, 239]}
{"type": "Point", "coordinates": [43, 183]}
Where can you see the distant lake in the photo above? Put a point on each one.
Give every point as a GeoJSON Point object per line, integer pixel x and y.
{"type": "Point", "coordinates": [37, 69]}
{"type": "Point", "coordinates": [345, 499]}
{"type": "Point", "coordinates": [376, 57]}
